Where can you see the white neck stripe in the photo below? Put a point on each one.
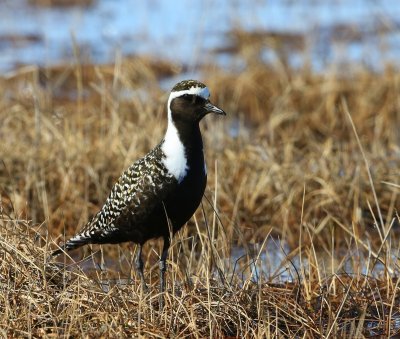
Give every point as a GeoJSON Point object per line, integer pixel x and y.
{"type": "Point", "coordinates": [175, 158]}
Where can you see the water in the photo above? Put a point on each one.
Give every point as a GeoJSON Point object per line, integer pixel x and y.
{"type": "Point", "coordinates": [270, 261]}
{"type": "Point", "coordinates": [273, 261]}
{"type": "Point", "coordinates": [186, 31]}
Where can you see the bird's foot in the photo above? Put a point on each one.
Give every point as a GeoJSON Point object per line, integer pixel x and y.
{"type": "Point", "coordinates": [144, 288]}
{"type": "Point", "coordinates": [161, 302]}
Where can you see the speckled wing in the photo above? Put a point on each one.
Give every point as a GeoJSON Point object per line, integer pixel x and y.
{"type": "Point", "coordinates": [142, 187]}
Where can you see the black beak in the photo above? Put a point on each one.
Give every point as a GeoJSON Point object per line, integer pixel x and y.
{"type": "Point", "coordinates": [210, 108]}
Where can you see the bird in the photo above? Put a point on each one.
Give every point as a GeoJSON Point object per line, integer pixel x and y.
{"type": "Point", "coordinates": [157, 194]}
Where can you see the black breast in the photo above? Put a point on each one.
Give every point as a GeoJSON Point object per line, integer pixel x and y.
{"type": "Point", "coordinates": [181, 202]}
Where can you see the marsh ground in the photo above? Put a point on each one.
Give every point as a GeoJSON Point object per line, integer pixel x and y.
{"type": "Point", "coordinates": [298, 233]}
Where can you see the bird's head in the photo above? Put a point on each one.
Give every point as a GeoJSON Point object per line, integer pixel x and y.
{"type": "Point", "coordinates": [189, 102]}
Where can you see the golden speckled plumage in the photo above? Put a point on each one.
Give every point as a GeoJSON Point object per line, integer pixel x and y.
{"type": "Point", "coordinates": [158, 193]}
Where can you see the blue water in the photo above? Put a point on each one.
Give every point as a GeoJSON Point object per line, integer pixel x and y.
{"type": "Point", "coordinates": [186, 31]}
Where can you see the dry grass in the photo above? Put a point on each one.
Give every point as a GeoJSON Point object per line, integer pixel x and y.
{"type": "Point", "coordinates": [42, 299]}
{"type": "Point", "coordinates": [285, 163]}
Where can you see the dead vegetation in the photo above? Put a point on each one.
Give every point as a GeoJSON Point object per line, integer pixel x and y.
{"type": "Point", "coordinates": [287, 163]}
{"type": "Point", "coordinates": [46, 299]}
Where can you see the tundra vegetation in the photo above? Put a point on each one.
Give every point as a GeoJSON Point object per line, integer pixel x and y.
{"type": "Point", "coordinates": [308, 161]}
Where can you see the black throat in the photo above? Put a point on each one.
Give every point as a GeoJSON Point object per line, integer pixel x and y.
{"type": "Point", "coordinates": [190, 136]}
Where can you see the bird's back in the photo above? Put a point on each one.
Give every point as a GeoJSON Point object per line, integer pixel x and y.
{"type": "Point", "coordinates": [132, 203]}
{"type": "Point", "coordinates": [138, 205]}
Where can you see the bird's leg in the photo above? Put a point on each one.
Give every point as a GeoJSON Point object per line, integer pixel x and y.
{"type": "Point", "coordinates": [163, 268]}
{"type": "Point", "coordinates": [163, 263]}
{"type": "Point", "coordinates": [139, 268]}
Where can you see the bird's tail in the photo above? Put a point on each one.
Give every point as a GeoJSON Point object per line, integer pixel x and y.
{"type": "Point", "coordinates": [73, 243]}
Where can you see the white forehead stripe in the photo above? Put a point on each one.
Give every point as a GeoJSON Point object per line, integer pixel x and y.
{"type": "Point", "coordinates": [200, 91]}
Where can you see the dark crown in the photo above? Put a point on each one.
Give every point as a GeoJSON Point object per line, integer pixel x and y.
{"type": "Point", "coordinates": [187, 84]}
